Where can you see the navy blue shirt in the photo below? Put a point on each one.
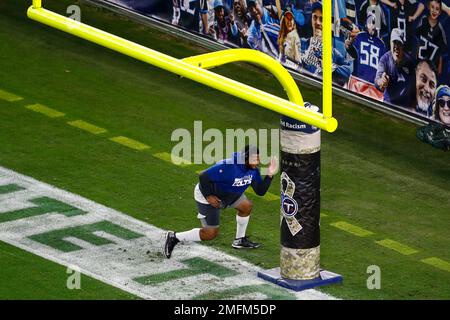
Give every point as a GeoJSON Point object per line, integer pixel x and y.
{"type": "Point", "coordinates": [229, 178]}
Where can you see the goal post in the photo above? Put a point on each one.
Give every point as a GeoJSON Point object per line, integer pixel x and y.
{"type": "Point", "coordinates": [301, 126]}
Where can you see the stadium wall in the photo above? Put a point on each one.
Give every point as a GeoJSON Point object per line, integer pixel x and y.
{"type": "Point", "coordinates": [359, 65]}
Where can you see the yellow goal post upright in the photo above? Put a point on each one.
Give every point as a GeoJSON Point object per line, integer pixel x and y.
{"type": "Point", "coordinates": [293, 110]}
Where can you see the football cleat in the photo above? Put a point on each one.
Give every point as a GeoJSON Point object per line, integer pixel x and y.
{"type": "Point", "coordinates": [171, 241]}
{"type": "Point", "coordinates": [244, 243]}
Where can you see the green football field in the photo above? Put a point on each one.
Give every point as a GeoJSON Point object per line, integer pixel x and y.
{"type": "Point", "coordinates": [385, 195]}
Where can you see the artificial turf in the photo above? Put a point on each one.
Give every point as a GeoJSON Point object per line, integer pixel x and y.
{"type": "Point", "coordinates": [375, 173]}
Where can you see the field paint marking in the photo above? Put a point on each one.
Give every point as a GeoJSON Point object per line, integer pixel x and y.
{"type": "Point", "coordinates": [10, 188]}
{"type": "Point", "coordinates": [268, 196]}
{"type": "Point", "coordinates": [118, 261]}
{"type": "Point", "coordinates": [8, 96]}
{"type": "Point", "coordinates": [130, 143]}
{"type": "Point", "coordinates": [437, 263]}
{"type": "Point", "coordinates": [49, 112]}
{"type": "Point", "coordinates": [350, 228]}
{"type": "Point", "coordinates": [165, 156]}
{"type": "Point", "coordinates": [397, 246]}
{"type": "Point", "coordinates": [86, 126]}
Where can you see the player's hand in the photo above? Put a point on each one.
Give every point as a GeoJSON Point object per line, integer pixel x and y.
{"type": "Point", "coordinates": [214, 201]}
{"type": "Point", "coordinates": [273, 167]}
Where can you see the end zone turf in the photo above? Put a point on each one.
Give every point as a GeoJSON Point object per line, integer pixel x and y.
{"type": "Point", "coordinates": [119, 250]}
{"type": "Point", "coordinates": [376, 175]}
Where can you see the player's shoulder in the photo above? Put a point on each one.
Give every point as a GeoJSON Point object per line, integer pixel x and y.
{"type": "Point", "coordinates": [218, 165]}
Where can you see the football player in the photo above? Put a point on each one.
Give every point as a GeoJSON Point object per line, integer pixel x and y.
{"type": "Point", "coordinates": [220, 187]}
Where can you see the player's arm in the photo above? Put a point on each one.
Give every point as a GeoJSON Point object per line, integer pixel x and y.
{"type": "Point", "coordinates": [206, 183]}
{"type": "Point", "coordinates": [259, 185]}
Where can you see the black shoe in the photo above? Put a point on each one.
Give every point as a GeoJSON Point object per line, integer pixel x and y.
{"type": "Point", "coordinates": [171, 241]}
{"type": "Point", "coordinates": [244, 243]}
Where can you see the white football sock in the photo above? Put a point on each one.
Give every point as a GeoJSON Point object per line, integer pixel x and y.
{"type": "Point", "coordinates": [191, 235]}
{"type": "Point", "coordinates": [242, 223]}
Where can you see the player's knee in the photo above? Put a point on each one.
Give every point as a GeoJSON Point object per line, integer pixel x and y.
{"type": "Point", "coordinates": [209, 233]}
{"type": "Point", "coordinates": [246, 207]}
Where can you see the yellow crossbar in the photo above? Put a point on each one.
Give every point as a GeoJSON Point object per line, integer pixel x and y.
{"type": "Point", "coordinates": [189, 68]}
